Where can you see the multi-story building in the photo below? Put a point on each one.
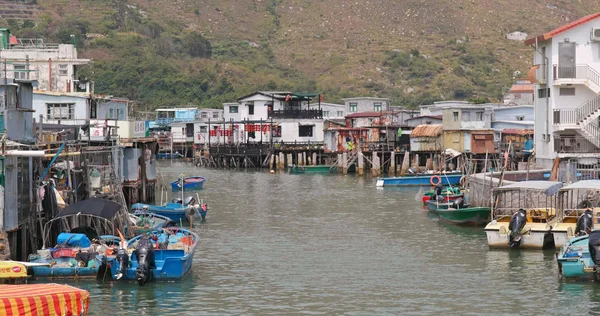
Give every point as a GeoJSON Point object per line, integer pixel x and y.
{"type": "Point", "coordinates": [566, 74]}
{"type": "Point", "coordinates": [366, 104]}
{"type": "Point", "coordinates": [53, 66]}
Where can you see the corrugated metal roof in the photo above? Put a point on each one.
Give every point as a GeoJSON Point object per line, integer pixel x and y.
{"type": "Point", "coordinates": [437, 117]}
{"type": "Point", "coordinates": [517, 131]}
{"type": "Point", "coordinates": [368, 114]}
{"type": "Point", "coordinates": [427, 130]}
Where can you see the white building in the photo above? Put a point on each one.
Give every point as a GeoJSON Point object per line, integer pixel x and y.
{"type": "Point", "coordinates": [566, 74]}
{"type": "Point", "coordinates": [54, 66]}
{"type": "Point", "coordinates": [366, 104]}
{"type": "Point", "coordinates": [330, 110]}
{"type": "Point", "coordinates": [521, 93]}
{"type": "Point", "coordinates": [293, 117]}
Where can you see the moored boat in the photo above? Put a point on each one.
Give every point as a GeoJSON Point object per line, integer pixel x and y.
{"type": "Point", "coordinates": [435, 205]}
{"type": "Point", "coordinates": [177, 210]}
{"type": "Point", "coordinates": [578, 212]}
{"type": "Point", "coordinates": [189, 184]}
{"type": "Point", "coordinates": [161, 255]}
{"type": "Point", "coordinates": [574, 260]}
{"type": "Point", "coordinates": [449, 194]}
{"type": "Point", "coordinates": [421, 180]}
{"type": "Point", "coordinates": [522, 215]}
{"type": "Point", "coordinates": [312, 169]}
{"type": "Point", "coordinates": [465, 215]}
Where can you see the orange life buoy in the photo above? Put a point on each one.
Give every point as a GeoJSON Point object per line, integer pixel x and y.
{"type": "Point", "coordinates": [434, 183]}
{"type": "Point", "coordinates": [462, 181]}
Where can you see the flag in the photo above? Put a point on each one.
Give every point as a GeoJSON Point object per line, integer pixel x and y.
{"type": "Point", "coordinates": [321, 98]}
{"type": "Point", "coordinates": [288, 97]}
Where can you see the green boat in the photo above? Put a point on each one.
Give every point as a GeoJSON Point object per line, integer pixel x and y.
{"type": "Point", "coordinates": [465, 216]}
{"type": "Point", "coordinates": [317, 169]}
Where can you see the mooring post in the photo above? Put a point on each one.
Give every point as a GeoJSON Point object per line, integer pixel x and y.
{"type": "Point", "coordinates": [281, 162]}
{"type": "Point", "coordinates": [361, 163]}
{"type": "Point", "coordinates": [392, 168]}
{"type": "Point", "coordinates": [345, 163]}
{"type": "Point", "coordinates": [314, 159]}
{"type": "Point", "coordinates": [374, 164]}
{"type": "Point", "coordinates": [339, 163]}
{"type": "Point", "coordinates": [290, 161]}
{"type": "Point", "coordinates": [272, 163]}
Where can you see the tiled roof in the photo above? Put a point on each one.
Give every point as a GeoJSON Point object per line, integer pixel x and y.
{"type": "Point", "coordinates": [521, 88]}
{"type": "Point", "coordinates": [566, 27]}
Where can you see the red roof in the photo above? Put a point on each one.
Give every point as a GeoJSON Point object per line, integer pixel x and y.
{"type": "Point", "coordinates": [367, 114]}
{"type": "Point", "coordinates": [521, 88]}
{"type": "Point", "coordinates": [566, 27]}
{"type": "Point", "coordinates": [13, 40]}
{"type": "Point", "coordinates": [517, 131]}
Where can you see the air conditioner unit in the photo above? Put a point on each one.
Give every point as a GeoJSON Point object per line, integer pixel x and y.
{"type": "Point", "coordinates": [595, 35]}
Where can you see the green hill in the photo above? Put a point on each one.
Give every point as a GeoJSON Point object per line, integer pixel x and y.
{"type": "Point", "coordinates": [178, 52]}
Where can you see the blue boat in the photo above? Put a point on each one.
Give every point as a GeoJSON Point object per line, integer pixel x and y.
{"type": "Point", "coordinates": [176, 210]}
{"type": "Point", "coordinates": [189, 183]}
{"type": "Point", "coordinates": [161, 255]}
{"type": "Point", "coordinates": [574, 260]}
{"type": "Point", "coordinates": [421, 180]}
{"type": "Point", "coordinates": [167, 155]}
{"type": "Point", "coordinates": [79, 250]}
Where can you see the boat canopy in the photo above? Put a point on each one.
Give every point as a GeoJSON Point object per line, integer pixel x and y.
{"type": "Point", "coordinates": [43, 299]}
{"type": "Point", "coordinates": [547, 187]}
{"type": "Point", "coordinates": [93, 206]}
{"type": "Point", "coordinates": [583, 184]}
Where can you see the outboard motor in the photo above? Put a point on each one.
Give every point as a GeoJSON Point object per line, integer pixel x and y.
{"type": "Point", "coordinates": [458, 203]}
{"type": "Point", "coordinates": [584, 223]}
{"type": "Point", "coordinates": [144, 254]}
{"type": "Point", "coordinates": [123, 260]}
{"type": "Point", "coordinates": [516, 224]}
{"type": "Point", "coordinates": [594, 247]}
{"type": "Point", "coordinates": [189, 200]}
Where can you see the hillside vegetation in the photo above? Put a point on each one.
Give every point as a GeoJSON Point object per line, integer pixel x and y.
{"type": "Point", "coordinates": [179, 52]}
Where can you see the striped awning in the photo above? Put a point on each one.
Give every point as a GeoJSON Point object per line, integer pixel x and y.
{"type": "Point", "coordinates": [43, 299]}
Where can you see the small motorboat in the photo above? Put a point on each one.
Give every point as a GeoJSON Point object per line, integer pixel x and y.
{"type": "Point", "coordinates": [161, 255]}
{"type": "Point", "coordinates": [177, 210]}
{"type": "Point", "coordinates": [189, 184]}
{"type": "Point", "coordinates": [453, 178]}
{"type": "Point", "coordinates": [141, 222]}
{"type": "Point", "coordinates": [579, 258]}
{"type": "Point", "coordinates": [435, 205]}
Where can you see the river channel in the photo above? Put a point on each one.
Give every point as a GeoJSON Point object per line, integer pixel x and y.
{"type": "Point", "coordinates": [283, 244]}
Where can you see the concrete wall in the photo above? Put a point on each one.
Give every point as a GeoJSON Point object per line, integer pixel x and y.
{"type": "Point", "coordinates": [330, 110]}
{"type": "Point", "coordinates": [119, 110]}
{"type": "Point", "coordinates": [41, 101]}
{"type": "Point", "coordinates": [290, 131]}
{"type": "Point", "coordinates": [366, 104]}
{"type": "Point", "coordinates": [466, 118]}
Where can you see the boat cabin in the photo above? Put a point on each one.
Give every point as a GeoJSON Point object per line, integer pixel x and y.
{"type": "Point", "coordinates": [573, 201]}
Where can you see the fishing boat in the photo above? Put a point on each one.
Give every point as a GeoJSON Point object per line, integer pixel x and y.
{"type": "Point", "coordinates": [79, 249]}
{"type": "Point", "coordinates": [523, 214]}
{"type": "Point", "coordinates": [189, 183]}
{"type": "Point", "coordinates": [177, 210]}
{"type": "Point", "coordinates": [43, 299]}
{"type": "Point", "coordinates": [449, 194]}
{"type": "Point", "coordinates": [436, 205]}
{"type": "Point", "coordinates": [141, 222]}
{"type": "Point", "coordinates": [312, 169]}
{"type": "Point", "coordinates": [578, 211]}
{"type": "Point", "coordinates": [464, 215]}
{"type": "Point", "coordinates": [421, 180]}
{"type": "Point", "coordinates": [161, 255]}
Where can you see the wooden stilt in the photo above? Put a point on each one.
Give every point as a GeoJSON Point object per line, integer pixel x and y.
{"type": "Point", "coordinates": [314, 159]}
{"type": "Point", "coordinates": [392, 168]}
{"type": "Point", "coordinates": [281, 161]}
{"type": "Point", "coordinates": [345, 163]}
{"type": "Point", "coordinates": [272, 162]}
{"type": "Point", "coordinates": [304, 158]}
{"type": "Point", "coordinates": [361, 163]}
{"type": "Point", "coordinates": [340, 165]}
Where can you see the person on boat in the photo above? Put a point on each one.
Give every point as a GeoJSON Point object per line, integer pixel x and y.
{"type": "Point", "coordinates": [437, 191]}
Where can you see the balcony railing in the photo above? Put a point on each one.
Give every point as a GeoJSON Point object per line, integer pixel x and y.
{"type": "Point", "coordinates": [574, 144]}
{"type": "Point", "coordinates": [576, 72]}
{"type": "Point", "coordinates": [296, 114]}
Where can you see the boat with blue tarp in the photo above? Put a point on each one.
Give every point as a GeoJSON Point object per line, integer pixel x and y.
{"type": "Point", "coordinates": [177, 210]}
{"type": "Point", "coordinates": [421, 180]}
{"type": "Point", "coordinates": [579, 258]}
{"type": "Point", "coordinates": [188, 183]}
{"type": "Point", "coordinates": [161, 255]}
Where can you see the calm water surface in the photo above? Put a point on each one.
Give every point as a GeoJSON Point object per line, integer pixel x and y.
{"type": "Point", "coordinates": [325, 245]}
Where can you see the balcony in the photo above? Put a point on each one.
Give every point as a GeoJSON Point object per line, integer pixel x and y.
{"type": "Point", "coordinates": [580, 74]}
{"type": "Point", "coordinates": [574, 144]}
{"type": "Point", "coordinates": [296, 114]}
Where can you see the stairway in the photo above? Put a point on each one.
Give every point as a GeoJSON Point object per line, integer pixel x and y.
{"type": "Point", "coordinates": [586, 115]}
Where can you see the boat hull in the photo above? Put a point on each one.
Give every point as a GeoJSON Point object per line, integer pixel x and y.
{"type": "Point", "coordinates": [190, 183]}
{"type": "Point", "coordinates": [61, 270]}
{"type": "Point", "coordinates": [447, 198]}
{"type": "Point", "coordinates": [465, 216]}
{"type": "Point", "coordinates": [312, 169]}
{"type": "Point", "coordinates": [172, 265]}
{"type": "Point", "coordinates": [535, 235]}
{"type": "Point", "coordinates": [173, 211]}
{"type": "Point", "coordinates": [574, 259]}
{"type": "Point", "coordinates": [419, 180]}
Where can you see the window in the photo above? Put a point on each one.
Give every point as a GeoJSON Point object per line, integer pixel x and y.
{"type": "Point", "coordinates": [277, 131]}
{"type": "Point", "coordinates": [566, 91]}
{"type": "Point", "coordinates": [93, 110]}
{"type": "Point", "coordinates": [479, 116]}
{"type": "Point", "coordinates": [111, 113]}
{"type": "Point", "coordinates": [60, 111]}
{"type": "Point", "coordinates": [517, 95]}
{"type": "Point", "coordinates": [20, 72]}
{"type": "Point", "coordinates": [325, 113]}
{"type": "Point", "coordinates": [305, 131]}
{"type": "Point", "coordinates": [250, 108]}
{"type": "Point", "coordinates": [215, 115]}
{"type": "Point", "coordinates": [203, 129]}
{"type": "Point", "coordinates": [121, 114]}
{"type": "Point", "coordinates": [233, 109]}
{"type": "Point", "coordinates": [189, 130]}
{"type": "Point", "coordinates": [62, 69]}
{"type": "Point", "coordinates": [544, 93]}
{"type": "Point", "coordinates": [455, 115]}
{"type": "Point", "coordinates": [520, 117]}
{"type": "Point", "coordinates": [377, 106]}
{"type": "Point", "coordinates": [204, 115]}
{"type": "Point", "coordinates": [353, 107]}
{"type": "Point", "coordinates": [340, 113]}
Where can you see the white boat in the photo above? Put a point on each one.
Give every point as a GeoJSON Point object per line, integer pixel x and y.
{"type": "Point", "coordinates": [523, 214]}
{"type": "Point", "coordinates": [574, 200]}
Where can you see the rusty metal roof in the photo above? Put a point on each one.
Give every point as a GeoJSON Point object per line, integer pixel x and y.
{"type": "Point", "coordinates": [517, 131]}
{"type": "Point", "coordinates": [427, 130]}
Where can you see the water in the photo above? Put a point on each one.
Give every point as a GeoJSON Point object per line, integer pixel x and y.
{"type": "Point", "coordinates": [324, 245]}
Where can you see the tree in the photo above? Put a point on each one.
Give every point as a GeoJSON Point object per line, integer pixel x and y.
{"type": "Point", "coordinates": [195, 45]}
